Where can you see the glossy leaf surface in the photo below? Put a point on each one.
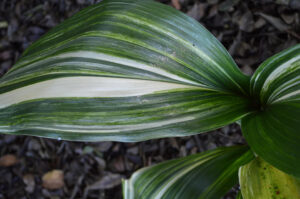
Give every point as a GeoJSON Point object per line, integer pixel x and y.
{"type": "Point", "coordinates": [278, 78]}
{"type": "Point", "coordinates": [207, 175]}
{"type": "Point", "coordinates": [124, 70]}
{"type": "Point", "coordinates": [274, 131]}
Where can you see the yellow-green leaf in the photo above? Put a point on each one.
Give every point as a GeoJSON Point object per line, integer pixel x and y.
{"type": "Point", "coordinates": [260, 180]}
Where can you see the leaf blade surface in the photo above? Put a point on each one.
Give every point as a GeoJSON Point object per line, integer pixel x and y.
{"type": "Point", "coordinates": [205, 175]}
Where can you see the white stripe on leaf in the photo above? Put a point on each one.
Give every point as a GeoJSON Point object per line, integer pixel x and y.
{"type": "Point", "coordinates": [87, 86]}
{"type": "Point", "coordinates": [279, 71]}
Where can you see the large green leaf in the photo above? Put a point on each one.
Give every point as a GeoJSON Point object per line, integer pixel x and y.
{"type": "Point", "coordinates": [207, 175]}
{"type": "Point", "coordinates": [125, 70]}
{"type": "Point", "coordinates": [260, 180]}
{"type": "Point", "coordinates": [274, 131]}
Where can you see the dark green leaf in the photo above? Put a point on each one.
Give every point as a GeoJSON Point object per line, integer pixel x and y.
{"type": "Point", "coordinates": [239, 195]}
{"type": "Point", "coordinates": [278, 78]}
{"type": "Point", "coordinates": [274, 135]}
{"type": "Point", "coordinates": [207, 175]}
{"type": "Point", "coordinates": [273, 132]}
{"type": "Point", "coordinates": [124, 70]}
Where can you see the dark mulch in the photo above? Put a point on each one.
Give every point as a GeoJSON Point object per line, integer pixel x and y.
{"type": "Point", "coordinates": [251, 31]}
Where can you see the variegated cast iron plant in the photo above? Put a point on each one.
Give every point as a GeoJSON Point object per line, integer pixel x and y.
{"type": "Point", "coordinates": [133, 70]}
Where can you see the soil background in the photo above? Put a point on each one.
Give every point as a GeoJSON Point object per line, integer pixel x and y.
{"type": "Point", "coordinates": [252, 30]}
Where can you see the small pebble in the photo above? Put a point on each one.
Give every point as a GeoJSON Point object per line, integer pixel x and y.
{"type": "Point", "coordinates": [53, 179]}
{"type": "Point", "coordinates": [8, 160]}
